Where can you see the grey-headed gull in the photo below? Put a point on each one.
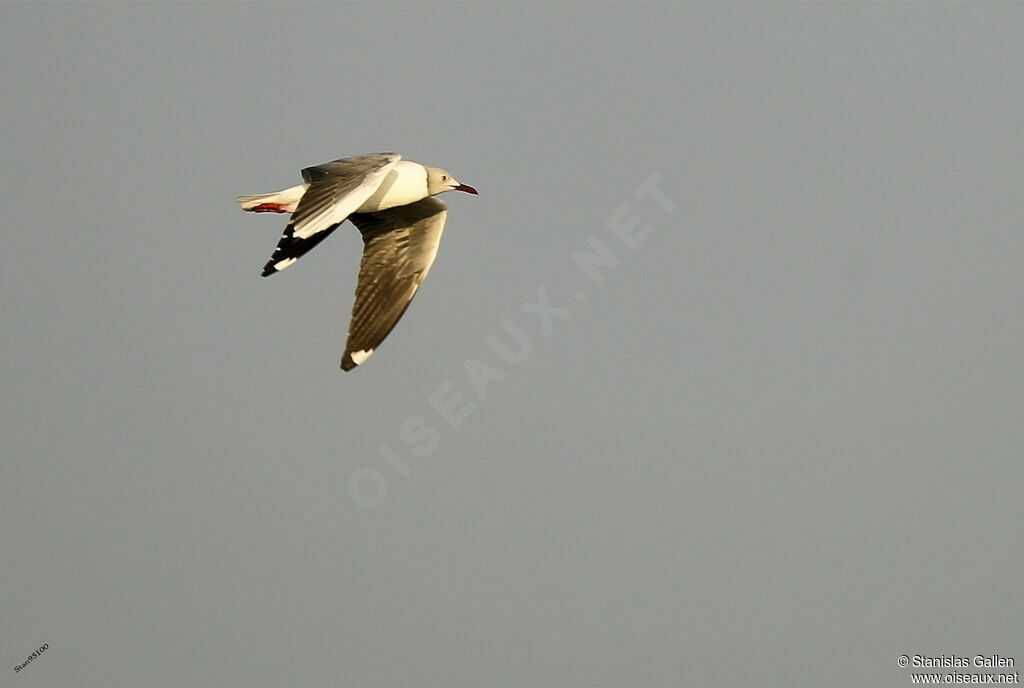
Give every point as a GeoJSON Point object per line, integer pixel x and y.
{"type": "Point", "coordinates": [390, 201]}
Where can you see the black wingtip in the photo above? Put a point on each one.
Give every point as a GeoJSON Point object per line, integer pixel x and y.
{"type": "Point", "coordinates": [347, 363]}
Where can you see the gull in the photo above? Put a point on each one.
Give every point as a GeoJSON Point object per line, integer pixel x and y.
{"type": "Point", "coordinates": [392, 203]}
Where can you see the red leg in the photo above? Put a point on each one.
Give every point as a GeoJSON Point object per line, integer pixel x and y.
{"type": "Point", "coordinates": [269, 208]}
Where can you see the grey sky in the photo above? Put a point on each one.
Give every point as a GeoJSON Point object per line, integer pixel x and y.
{"type": "Point", "coordinates": [778, 445]}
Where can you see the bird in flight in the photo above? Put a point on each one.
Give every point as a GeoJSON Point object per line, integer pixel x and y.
{"type": "Point", "coordinates": [393, 204]}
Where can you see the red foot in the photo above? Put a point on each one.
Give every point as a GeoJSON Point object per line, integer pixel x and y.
{"type": "Point", "coordinates": [268, 208]}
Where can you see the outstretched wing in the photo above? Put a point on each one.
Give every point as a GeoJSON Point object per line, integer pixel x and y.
{"type": "Point", "coordinates": [336, 189]}
{"type": "Point", "coordinates": [399, 246]}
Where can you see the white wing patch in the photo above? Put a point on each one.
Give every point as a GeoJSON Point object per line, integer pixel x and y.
{"type": "Point", "coordinates": [359, 356]}
{"type": "Point", "coordinates": [282, 264]}
{"type": "Point", "coordinates": [337, 212]}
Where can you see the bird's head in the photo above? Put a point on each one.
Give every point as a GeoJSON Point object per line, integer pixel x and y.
{"type": "Point", "coordinates": [439, 181]}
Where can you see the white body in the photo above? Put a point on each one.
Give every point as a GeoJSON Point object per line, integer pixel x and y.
{"type": "Point", "coordinates": [405, 183]}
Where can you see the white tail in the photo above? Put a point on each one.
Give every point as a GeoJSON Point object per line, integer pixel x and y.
{"type": "Point", "coordinates": [279, 202]}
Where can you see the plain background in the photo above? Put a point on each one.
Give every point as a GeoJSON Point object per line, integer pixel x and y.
{"type": "Point", "coordinates": [780, 445]}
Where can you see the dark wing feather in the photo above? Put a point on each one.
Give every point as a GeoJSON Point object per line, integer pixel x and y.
{"type": "Point", "coordinates": [399, 246]}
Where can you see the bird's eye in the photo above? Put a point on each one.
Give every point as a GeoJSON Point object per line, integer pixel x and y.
{"type": "Point", "coordinates": [444, 177]}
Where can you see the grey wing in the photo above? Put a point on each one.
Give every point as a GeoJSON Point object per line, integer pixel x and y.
{"type": "Point", "coordinates": [399, 247]}
{"type": "Point", "coordinates": [336, 189]}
